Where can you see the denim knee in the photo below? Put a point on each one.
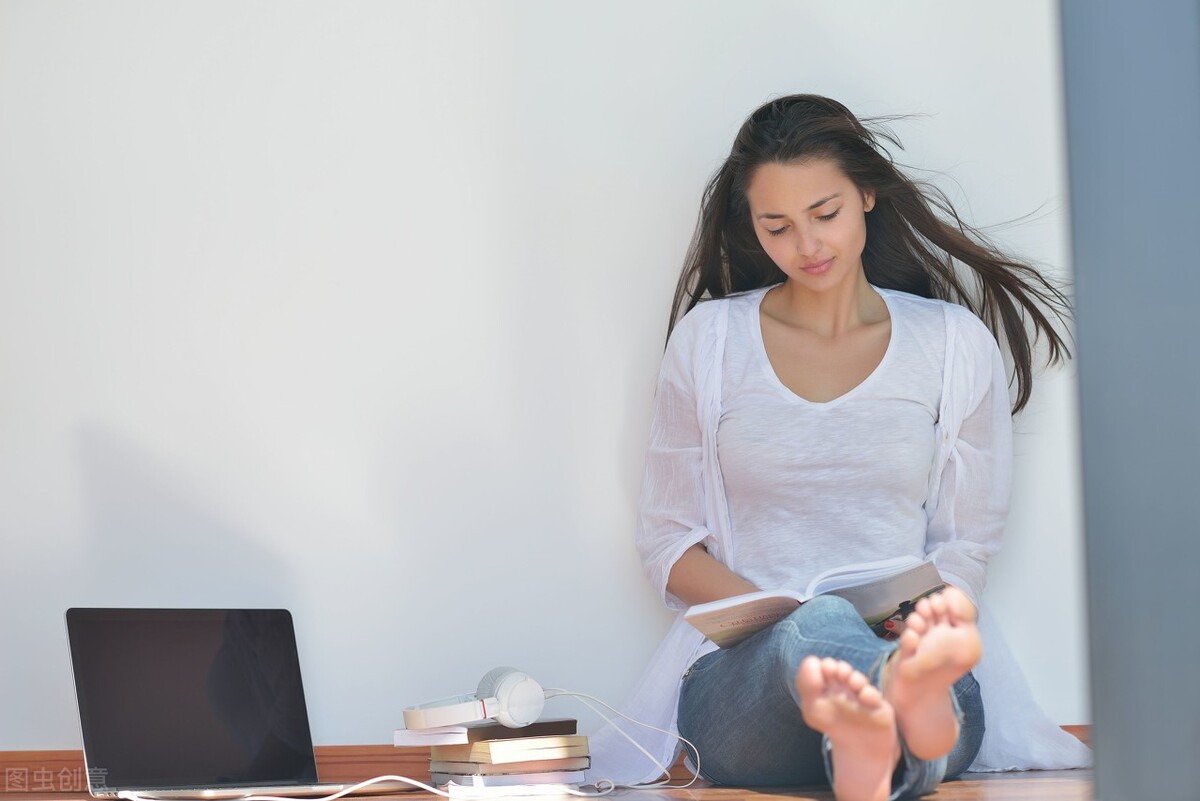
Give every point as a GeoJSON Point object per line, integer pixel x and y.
{"type": "Point", "coordinates": [823, 612]}
{"type": "Point", "coordinates": [824, 619]}
{"type": "Point", "coordinates": [833, 621]}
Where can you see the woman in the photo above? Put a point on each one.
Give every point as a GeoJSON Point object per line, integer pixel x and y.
{"type": "Point", "coordinates": [835, 398]}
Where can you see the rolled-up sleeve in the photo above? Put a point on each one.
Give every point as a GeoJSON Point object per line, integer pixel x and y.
{"type": "Point", "coordinates": [972, 495]}
{"type": "Point", "coordinates": [671, 511]}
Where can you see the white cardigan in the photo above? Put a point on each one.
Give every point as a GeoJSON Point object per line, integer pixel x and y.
{"type": "Point", "coordinates": [683, 503]}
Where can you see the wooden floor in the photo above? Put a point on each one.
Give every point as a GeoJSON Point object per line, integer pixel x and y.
{"type": "Point", "coordinates": [1067, 785]}
{"type": "Point", "coordinates": [1064, 785]}
{"type": "Point", "coordinates": [354, 763]}
{"type": "Point", "coordinates": [351, 764]}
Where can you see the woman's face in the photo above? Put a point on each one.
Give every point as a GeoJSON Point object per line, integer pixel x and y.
{"type": "Point", "coordinates": [810, 218]}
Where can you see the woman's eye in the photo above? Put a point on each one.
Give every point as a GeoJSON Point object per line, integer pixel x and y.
{"type": "Point", "coordinates": [830, 216]}
{"type": "Point", "coordinates": [776, 231]}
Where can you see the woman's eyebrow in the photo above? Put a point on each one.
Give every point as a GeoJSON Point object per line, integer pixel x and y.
{"type": "Point", "coordinates": [823, 201]}
{"type": "Point", "coordinates": [819, 203]}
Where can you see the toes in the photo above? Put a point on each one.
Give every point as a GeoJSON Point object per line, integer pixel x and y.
{"type": "Point", "coordinates": [832, 679]}
{"type": "Point", "coordinates": [810, 678]}
{"type": "Point", "coordinates": [870, 697]}
{"type": "Point", "coordinates": [959, 605]}
{"type": "Point", "coordinates": [917, 621]}
{"type": "Point", "coordinates": [910, 640]}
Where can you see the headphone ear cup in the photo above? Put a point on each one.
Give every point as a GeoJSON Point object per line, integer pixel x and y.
{"type": "Point", "coordinates": [519, 698]}
{"type": "Point", "coordinates": [491, 680]}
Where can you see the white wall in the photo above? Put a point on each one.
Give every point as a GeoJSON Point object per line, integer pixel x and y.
{"type": "Point", "coordinates": [356, 308]}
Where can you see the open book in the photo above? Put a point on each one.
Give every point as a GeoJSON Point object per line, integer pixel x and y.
{"type": "Point", "coordinates": [880, 591]}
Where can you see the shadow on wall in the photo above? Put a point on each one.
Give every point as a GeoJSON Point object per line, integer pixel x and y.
{"type": "Point", "coordinates": [153, 540]}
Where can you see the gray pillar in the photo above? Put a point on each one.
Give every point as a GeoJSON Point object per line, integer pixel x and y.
{"type": "Point", "coordinates": [1132, 74]}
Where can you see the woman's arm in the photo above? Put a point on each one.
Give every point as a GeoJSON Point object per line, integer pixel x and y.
{"type": "Point", "coordinates": [673, 532]}
{"type": "Point", "coordinates": [973, 493]}
{"type": "Point", "coordinates": [697, 578]}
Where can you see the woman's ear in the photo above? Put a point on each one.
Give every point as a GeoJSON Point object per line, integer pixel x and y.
{"type": "Point", "coordinates": [868, 199]}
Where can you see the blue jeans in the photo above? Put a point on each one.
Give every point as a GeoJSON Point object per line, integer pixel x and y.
{"type": "Point", "coordinates": [739, 707]}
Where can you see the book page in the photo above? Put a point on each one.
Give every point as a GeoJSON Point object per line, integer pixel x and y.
{"type": "Point", "coordinates": [879, 599]}
{"type": "Point", "coordinates": [861, 573]}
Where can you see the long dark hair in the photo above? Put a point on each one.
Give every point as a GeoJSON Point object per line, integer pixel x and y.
{"type": "Point", "coordinates": [914, 235]}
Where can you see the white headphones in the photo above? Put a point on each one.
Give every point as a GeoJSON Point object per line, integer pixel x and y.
{"type": "Point", "coordinates": [506, 694]}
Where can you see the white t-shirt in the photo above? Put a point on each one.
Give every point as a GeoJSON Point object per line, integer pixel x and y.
{"type": "Point", "coordinates": [814, 485]}
{"type": "Point", "coordinates": [686, 500]}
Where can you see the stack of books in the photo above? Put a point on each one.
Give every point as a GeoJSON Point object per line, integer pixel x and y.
{"type": "Point", "coordinates": [479, 755]}
{"type": "Point", "coordinates": [549, 759]}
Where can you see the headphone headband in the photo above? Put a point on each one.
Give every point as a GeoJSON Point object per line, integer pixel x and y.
{"type": "Point", "coordinates": [506, 694]}
{"type": "Point", "coordinates": [448, 712]}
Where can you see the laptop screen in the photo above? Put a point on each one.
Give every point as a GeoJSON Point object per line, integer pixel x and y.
{"type": "Point", "coordinates": [189, 698]}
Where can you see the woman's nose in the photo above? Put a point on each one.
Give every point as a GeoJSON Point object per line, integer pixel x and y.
{"type": "Point", "coordinates": [807, 244]}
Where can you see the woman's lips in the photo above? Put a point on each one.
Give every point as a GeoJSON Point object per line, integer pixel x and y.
{"type": "Point", "coordinates": [817, 268]}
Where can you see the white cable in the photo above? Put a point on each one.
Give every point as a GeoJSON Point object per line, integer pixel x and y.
{"type": "Point", "coordinates": [134, 796]}
{"type": "Point", "coordinates": [354, 788]}
{"type": "Point", "coordinates": [603, 787]}
{"type": "Point", "coordinates": [662, 784]}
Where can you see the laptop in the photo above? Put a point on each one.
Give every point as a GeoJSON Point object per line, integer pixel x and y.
{"type": "Point", "coordinates": [193, 703]}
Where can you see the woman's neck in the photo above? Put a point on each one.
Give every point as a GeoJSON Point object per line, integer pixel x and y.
{"type": "Point", "coordinates": [828, 313]}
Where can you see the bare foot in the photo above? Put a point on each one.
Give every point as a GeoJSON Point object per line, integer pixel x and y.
{"type": "Point", "coordinates": [841, 703]}
{"type": "Point", "coordinates": [939, 645]}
